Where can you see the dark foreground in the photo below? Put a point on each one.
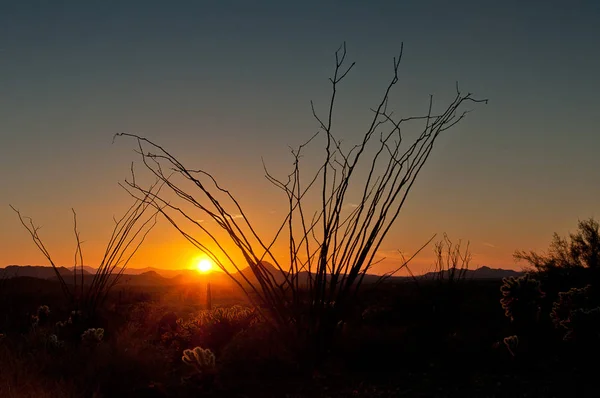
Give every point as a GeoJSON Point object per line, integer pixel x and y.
{"type": "Point", "coordinates": [408, 340]}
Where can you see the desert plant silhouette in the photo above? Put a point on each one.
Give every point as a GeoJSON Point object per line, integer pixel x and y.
{"type": "Point", "coordinates": [581, 249]}
{"type": "Point", "coordinates": [127, 236]}
{"type": "Point", "coordinates": [330, 248]}
{"type": "Point", "coordinates": [521, 298]}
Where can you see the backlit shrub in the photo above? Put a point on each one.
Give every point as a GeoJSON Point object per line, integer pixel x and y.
{"type": "Point", "coordinates": [577, 315]}
{"type": "Point", "coordinates": [511, 343]}
{"type": "Point", "coordinates": [93, 335]}
{"type": "Point", "coordinates": [211, 328]}
{"type": "Point", "coordinates": [203, 360]}
{"type": "Point", "coordinates": [573, 299]}
{"type": "Point", "coordinates": [521, 298]}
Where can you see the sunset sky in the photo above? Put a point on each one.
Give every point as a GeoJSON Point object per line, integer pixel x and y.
{"type": "Point", "coordinates": [222, 84]}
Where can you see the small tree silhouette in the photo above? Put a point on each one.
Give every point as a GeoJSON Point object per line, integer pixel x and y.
{"type": "Point", "coordinates": [582, 249]}
{"type": "Point", "coordinates": [451, 262]}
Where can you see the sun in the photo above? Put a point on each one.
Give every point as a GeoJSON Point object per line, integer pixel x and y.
{"type": "Point", "coordinates": [204, 265]}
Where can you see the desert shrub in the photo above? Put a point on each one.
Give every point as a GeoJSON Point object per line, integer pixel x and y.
{"type": "Point", "coordinates": [580, 249]}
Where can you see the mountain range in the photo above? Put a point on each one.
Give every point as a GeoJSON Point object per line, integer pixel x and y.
{"type": "Point", "coordinates": [158, 276]}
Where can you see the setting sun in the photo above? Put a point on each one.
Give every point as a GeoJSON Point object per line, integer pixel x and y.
{"type": "Point", "coordinates": [204, 265]}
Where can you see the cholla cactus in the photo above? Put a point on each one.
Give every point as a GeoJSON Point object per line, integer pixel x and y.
{"type": "Point", "coordinates": [233, 315]}
{"type": "Point", "coordinates": [43, 310]}
{"type": "Point", "coordinates": [42, 315]}
{"type": "Point", "coordinates": [511, 343]}
{"type": "Point", "coordinates": [577, 314]}
{"type": "Point", "coordinates": [521, 297]}
{"type": "Point", "coordinates": [74, 317]}
{"type": "Point", "coordinates": [575, 298]}
{"type": "Point", "coordinates": [375, 312]}
{"type": "Point", "coordinates": [53, 341]}
{"type": "Point", "coordinates": [369, 313]}
{"type": "Point", "coordinates": [213, 329]}
{"type": "Point", "coordinates": [583, 325]}
{"type": "Point", "coordinates": [93, 335]}
{"type": "Point", "coordinates": [326, 304]}
{"type": "Point", "coordinates": [203, 360]}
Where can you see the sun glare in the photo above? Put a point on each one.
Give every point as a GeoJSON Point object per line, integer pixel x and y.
{"type": "Point", "coordinates": [204, 265]}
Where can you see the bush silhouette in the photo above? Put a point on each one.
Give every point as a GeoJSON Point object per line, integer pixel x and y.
{"type": "Point", "coordinates": [580, 250]}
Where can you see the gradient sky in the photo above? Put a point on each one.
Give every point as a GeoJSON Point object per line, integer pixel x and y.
{"type": "Point", "coordinates": [223, 83]}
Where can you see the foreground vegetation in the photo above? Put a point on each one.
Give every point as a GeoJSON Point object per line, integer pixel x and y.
{"type": "Point", "coordinates": [404, 341]}
{"type": "Point", "coordinates": [534, 335]}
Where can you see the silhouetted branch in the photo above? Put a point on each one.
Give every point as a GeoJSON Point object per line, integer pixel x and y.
{"type": "Point", "coordinates": [127, 236]}
{"type": "Point", "coordinates": [33, 232]}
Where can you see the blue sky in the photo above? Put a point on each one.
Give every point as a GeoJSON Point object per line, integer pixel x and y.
{"type": "Point", "coordinates": [222, 84]}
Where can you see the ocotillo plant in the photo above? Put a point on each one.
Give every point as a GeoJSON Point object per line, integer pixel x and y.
{"type": "Point", "coordinates": [330, 248]}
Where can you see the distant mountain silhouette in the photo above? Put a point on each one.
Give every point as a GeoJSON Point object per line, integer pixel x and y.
{"type": "Point", "coordinates": [249, 274]}
{"type": "Point", "coordinates": [149, 278]}
{"type": "Point", "coordinates": [156, 276]}
{"type": "Point", "coordinates": [166, 273]}
{"type": "Point", "coordinates": [483, 272]}
{"type": "Point", "coordinates": [35, 271]}
{"type": "Point", "coordinates": [87, 268]}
